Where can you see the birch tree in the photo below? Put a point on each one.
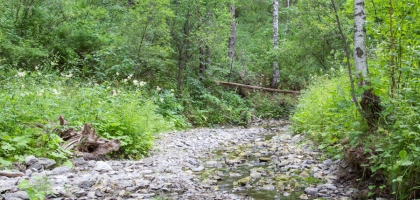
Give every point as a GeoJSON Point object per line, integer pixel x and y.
{"type": "Point", "coordinates": [276, 71]}
{"type": "Point", "coordinates": [232, 38]}
{"type": "Point", "coordinates": [359, 42]}
{"type": "Point", "coordinates": [369, 101]}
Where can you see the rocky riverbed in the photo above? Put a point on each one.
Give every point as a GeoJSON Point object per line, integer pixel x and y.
{"type": "Point", "coordinates": [264, 161]}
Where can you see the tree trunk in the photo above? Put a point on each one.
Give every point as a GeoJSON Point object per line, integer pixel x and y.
{"type": "Point", "coordinates": [232, 39]}
{"type": "Point", "coordinates": [360, 60]}
{"type": "Point", "coordinates": [276, 72]}
{"type": "Point", "coordinates": [392, 50]}
{"type": "Point", "coordinates": [369, 102]}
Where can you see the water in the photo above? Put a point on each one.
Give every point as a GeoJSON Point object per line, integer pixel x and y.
{"type": "Point", "coordinates": [267, 170]}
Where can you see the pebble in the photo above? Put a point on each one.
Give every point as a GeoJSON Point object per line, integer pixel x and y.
{"type": "Point", "coordinates": [175, 166]}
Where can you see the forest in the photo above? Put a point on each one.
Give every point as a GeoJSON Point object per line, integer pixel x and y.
{"type": "Point", "coordinates": [345, 73]}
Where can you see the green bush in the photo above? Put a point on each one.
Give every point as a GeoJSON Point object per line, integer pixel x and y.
{"type": "Point", "coordinates": [29, 98]}
{"type": "Point", "coordinates": [326, 112]}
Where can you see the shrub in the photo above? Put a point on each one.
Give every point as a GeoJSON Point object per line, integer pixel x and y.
{"type": "Point", "coordinates": [326, 113]}
{"type": "Point", "coordinates": [29, 98]}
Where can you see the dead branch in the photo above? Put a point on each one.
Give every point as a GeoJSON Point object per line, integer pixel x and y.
{"type": "Point", "coordinates": [11, 174]}
{"type": "Point", "coordinates": [257, 88]}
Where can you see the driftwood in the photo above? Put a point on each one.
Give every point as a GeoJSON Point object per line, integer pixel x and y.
{"type": "Point", "coordinates": [257, 87]}
{"type": "Point", "coordinates": [86, 142]}
{"type": "Point", "coordinates": [11, 174]}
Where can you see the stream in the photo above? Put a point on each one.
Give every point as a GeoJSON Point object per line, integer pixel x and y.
{"type": "Point", "coordinates": [264, 161]}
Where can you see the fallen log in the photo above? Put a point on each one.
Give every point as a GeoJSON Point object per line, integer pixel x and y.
{"type": "Point", "coordinates": [257, 87]}
{"type": "Point", "coordinates": [11, 174]}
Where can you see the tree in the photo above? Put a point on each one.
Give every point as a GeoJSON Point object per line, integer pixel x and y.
{"type": "Point", "coordinates": [276, 71]}
{"type": "Point", "coordinates": [232, 38]}
{"type": "Point", "coordinates": [368, 106]}
{"type": "Point", "coordinates": [369, 101]}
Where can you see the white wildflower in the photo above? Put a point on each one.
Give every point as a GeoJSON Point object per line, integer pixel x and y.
{"type": "Point", "coordinates": [117, 73]}
{"type": "Point", "coordinates": [69, 75]}
{"type": "Point", "coordinates": [161, 100]}
{"type": "Point", "coordinates": [129, 76]}
{"type": "Point", "coordinates": [21, 74]}
{"type": "Point", "coordinates": [56, 92]}
{"type": "Point", "coordinates": [142, 83]}
{"type": "Point", "coordinates": [114, 93]}
{"type": "Point", "coordinates": [158, 88]}
{"type": "Point", "coordinates": [136, 82]}
{"type": "Point", "coordinates": [125, 80]}
{"type": "Point", "coordinates": [36, 67]}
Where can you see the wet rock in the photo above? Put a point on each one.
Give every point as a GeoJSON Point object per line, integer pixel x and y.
{"type": "Point", "coordinates": [268, 187]}
{"type": "Point", "coordinates": [196, 169]}
{"type": "Point", "coordinates": [311, 191]}
{"type": "Point", "coordinates": [303, 196]}
{"type": "Point", "coordinates": [244, 181]}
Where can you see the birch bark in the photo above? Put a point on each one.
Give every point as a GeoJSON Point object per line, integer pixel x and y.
{"type": "Point", "coordinates": [276, 71]}
{"type": "Point", "coordinates": [360, 60]}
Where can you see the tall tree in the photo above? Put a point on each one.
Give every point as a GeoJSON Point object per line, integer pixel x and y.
{"type": "Point", "coordinates": [369, 101]}
{"type": "Point", "coordinates": [276, 71]}
{"type": "Point", "coordinates": [232, 38]}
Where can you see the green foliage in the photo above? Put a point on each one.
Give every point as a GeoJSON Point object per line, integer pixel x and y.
{"type": "Point", "coordinates": [326, 113]}
{"type": "Point", "coordinates": [205, 108]}
{"type": "Point", "coordinates": [28, 98]}
{"type": "Point", "coordinates": [272, 105]}
{"type": "Point", "coordinates": [36, 188]}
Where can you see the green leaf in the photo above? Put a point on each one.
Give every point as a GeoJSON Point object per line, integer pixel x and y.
{"type": "Point", "coordinates": [403, 154]}
{"type": "Point", "coordinates": [406, 163]}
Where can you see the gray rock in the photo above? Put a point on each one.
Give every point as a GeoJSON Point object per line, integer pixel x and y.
{"type": "Point", "coordinates": [328, 162]}
{"type": "Point", "coordinates": [101, 166]}
{"type": "Point", "coordinates": [268, 187]}
{"type": "Point", "coordinates": [196, 169]}
{"type": "Point", "coordinates": [16, 195]}
{"type": "Point", "coordinates": [47, 163]}
{"type": "Point", "coordinates": [80, 193]}
{"type": "Point", "coordinates": [86, 184]}
{"type": "Point", "coordinates": [36, 167]}
{"type": "Point", "coordinates": [30, 160]}
{"type": "Point", "coordinates": [211, 164]}
{"type": "Point", "coordinates": [311, 191]}
{"type": "Point", "coordinates": [60, 170]}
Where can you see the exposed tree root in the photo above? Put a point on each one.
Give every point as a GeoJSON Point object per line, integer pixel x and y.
{"type": "Point", "coordinates": [86, 142]}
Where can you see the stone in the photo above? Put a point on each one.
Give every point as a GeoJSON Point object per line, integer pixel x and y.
{"type": "Point", "coordinates": [196, 169]}
{"type": "Point", "coordinates": [16, 195]}
{"type": "Point", "coordinates": [244, 181]}
{"type": "Point", "coordinates": [80, 193]}
{"type": "Point", "coordinates": [328, 162]}
{"type": "Point", "coordinates": [311, 191]}
{"type": "Point", "coordinates": [60, 170]}
{"type": "Point", "coordinates": [29, 160]}
{"type": "Point", "coordinates": [101, 166]}
{"type": "Point", "coordinates": [255, 175]}
{"type": "Point", "coordinates": [211, 164]}
{"type": "Point", "coordinates": [303, 196]}
{"type": "Point", "coordinates": [268, 187]}
{"type": "Point", "coordinates": [304, 174]}
{"type": "Point", "coordinates": [47, 163]}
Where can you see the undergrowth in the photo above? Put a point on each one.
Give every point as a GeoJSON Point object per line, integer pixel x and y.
{"type": "Point", "coordinates": [122, 110]}
{"type": "Point", "coordinates": [387, 159]}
